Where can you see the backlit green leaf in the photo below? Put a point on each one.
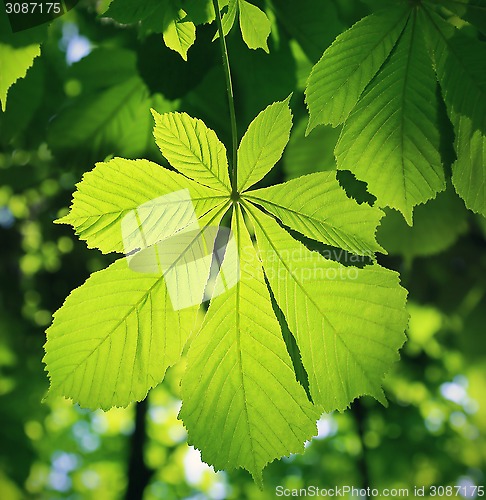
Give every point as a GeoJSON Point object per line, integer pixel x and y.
{"type": "Point", "coordinates": [193, 149]}
{"type": "Point", "coordinates": [348, 322]}
{"type": "Point", "coordinates": [341, 325]}
{"type": "Point", "coordinates": [179, 33]}
{"type": "Point", "coordinates": [317, 206]}
{"type": "Point", "coordinates": [114, 338]}
{"type": "Point", "coordinates": [348, 65]}
{"type": "Point", "coordinates": [263, 143]}
{"type": "Point", "coordinates": [14, 63]}
{"type": "Point", "coordinates": [461, 69]}
{"type": "Point", "coordinates": [390, 139]}
{"type": "Point", "coordinates": [114, 189]}
{"type": "Point", "coordinates": [239, 386]}
{"type": "Point", "coordinates": [255, 25]}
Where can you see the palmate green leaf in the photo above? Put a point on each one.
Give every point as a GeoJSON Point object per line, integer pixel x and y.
{"type": "Point", "coordinates": [348, 65]}
{"type": "Point", "coordinates": [348, 322]}
{"type": "Point", "coordinates": [115, 335]}
{"type": "Point", "coordinates": [193, 149]}
{"type": "Point", "coordinates": [390, 139]}
{"type": "Point", "coordinates": [317, 206]}
{"type": "Point", "coordinates": [461, 69]}
{"type": "Point", "coordinates": [254, 24]}
{"type": "Point", "coordinates": [239, 387]}
{"type": "Point", "coordinates": [263, 143]}
{"type": "Point", "coordinates": [115, 188]}
{"type": "Point", "coordinates": [14, 64]}
{"type": "Point", "coordinates": [114, 338]}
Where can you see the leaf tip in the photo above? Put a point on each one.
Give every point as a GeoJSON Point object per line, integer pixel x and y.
{"type": "Point", "coordinates": [406, 209]}
{"type": "Point", "coordinates": [379, 248]}
{"type": "Point", "coordinates": [288, 98]}
{"type": "Point", "coordinates": [258, 478]}
{"type": "Point", "coordinates": [310, 126]}
{"type": "Point", "coordinates": [53, 392]}
{"type": "Point", "coordinates": [155, 114]}
{"type": "Point", "coordinates": [381, 398]}
{"type": "Point", "coordinates": [65, 219]}
{"type": "Point", "coordinates": [408, 216]}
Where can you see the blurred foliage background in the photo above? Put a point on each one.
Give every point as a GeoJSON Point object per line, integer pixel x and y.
{"type": "Point", "coordinates": [87, 98]}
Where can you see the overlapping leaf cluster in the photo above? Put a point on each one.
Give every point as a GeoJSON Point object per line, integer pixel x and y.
{"type": "Point", "coordinates": [177, 20]}
{"type": "Point", "coordinates": [243, 404]}
{"type": "Point", "coordinates": [379, 79]}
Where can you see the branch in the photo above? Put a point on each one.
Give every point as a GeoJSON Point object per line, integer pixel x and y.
{"type": "Point", "coordinates": [359, 413]}
{"type": "Point", "coordinates": [139, 474]}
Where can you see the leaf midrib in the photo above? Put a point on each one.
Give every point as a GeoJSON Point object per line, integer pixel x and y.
{"type": "Point", "coordinates": [306, 216]}
{"type": "Point", "coordinates": [252, 168]}
{"type": "Point", "coordinates": [238, 341]}
{"type": "Point", "coordinates": [404, 93]}
{"type": "Point", "coordinates": [118, 212]}
{"type": "Point", "coordinates": [187, 147]}
{"type": "Point", "coordinates": [359, 65]}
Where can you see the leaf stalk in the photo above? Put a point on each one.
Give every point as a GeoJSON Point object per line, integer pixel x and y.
{"type": "Point", "coordinates": [231, 100]}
